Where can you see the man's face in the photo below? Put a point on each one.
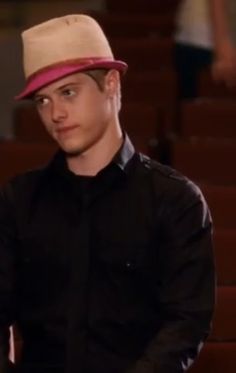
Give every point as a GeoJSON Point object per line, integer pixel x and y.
{"type": "Point", "coordinates": [76, 112]}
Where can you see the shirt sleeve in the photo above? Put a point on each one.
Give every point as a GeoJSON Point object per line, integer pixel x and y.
{"type": "Point", "coordinates": [187, 284]}
{"type": "Point", "coordinates": [7, 278]}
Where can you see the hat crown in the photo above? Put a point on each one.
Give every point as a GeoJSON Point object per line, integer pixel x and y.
{"type": "Point", "coordinates": [63, 39]}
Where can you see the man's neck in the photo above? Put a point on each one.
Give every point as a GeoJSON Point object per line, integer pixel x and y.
{"type": "Point", "coordinates": [97, 157]}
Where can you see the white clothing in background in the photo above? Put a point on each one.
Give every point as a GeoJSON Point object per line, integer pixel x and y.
{"type": "Point", "coordinates": [194, 25]}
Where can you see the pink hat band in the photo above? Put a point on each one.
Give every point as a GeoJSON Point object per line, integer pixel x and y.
{"type": "Point", "coordinates": [52, 73]}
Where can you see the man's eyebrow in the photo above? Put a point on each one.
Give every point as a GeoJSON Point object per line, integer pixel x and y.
{"type": "Point", "coordinates": [67, 85]}
{"type": "Point", "coordinates": [37, 96]}
{"type": "Point", "coordinates": [58, 89]}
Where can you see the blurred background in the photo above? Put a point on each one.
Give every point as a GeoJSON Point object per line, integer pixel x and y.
{"type": "Point", "coordinates": [191, 128]}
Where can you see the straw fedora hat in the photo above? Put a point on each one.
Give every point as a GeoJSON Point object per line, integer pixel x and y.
{"type": "Point", "coordinates": [62, 46]}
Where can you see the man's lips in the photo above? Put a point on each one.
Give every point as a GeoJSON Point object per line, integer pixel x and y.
{"type": "Point", "coordinates": [65, 129]}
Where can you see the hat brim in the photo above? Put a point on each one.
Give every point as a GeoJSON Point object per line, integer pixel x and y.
{"type": "Point", "coordinates": [45, 77]}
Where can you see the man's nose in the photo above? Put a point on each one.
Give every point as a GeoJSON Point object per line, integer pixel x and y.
{"type": "Point", "coordinates": [58, 112]}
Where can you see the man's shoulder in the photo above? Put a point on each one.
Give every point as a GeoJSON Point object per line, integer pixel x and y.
{"type": "Point", "coordinates": [168, 180]}
{"type": "Point", "coordinates": [23, 183]}
{"type": "Point", "coordinates": [27, 177]}
{"type": "Point", "coordinates": [161, 171]}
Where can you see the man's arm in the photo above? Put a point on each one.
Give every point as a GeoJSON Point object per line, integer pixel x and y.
{"type": "Point", "coordinates": [224, 64]}
{"type": "Point", "coordinates": [186, 286]}
{"type": "Point", "coordinates": [7, 280]}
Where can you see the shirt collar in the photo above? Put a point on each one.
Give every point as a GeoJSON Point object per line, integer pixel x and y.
{"type": "Point", "coordinates": [120, 159]}
{"type": "Point", "coordinates": [124, 154]}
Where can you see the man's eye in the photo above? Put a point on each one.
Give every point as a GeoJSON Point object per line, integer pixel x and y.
{"type": "Point", "coordinates": [68, 92]}
{"type": "Point", "coordinates": [41, 101]}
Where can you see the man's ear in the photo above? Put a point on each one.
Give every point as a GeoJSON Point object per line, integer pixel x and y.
{"type": "Point", "coordinates": [112, 80]}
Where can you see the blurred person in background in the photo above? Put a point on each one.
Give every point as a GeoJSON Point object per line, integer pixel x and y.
{"type": "Point", "coordinates": [205, 38]}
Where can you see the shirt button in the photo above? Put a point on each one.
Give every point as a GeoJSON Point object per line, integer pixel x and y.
{"type": "Point", "coordinates": [130, 266]}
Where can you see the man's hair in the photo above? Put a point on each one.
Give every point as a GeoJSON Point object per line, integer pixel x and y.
{"type": "Point", "coordinates": [98, 76]}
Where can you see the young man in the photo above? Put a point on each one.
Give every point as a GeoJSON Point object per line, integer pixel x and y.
{"type": "Point", "coordinates": [106, 255]}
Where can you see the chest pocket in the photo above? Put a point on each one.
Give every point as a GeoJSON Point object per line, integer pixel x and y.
{"type": "Point", "coordinates": [125, 279]}
{"type": "Point", "coordinates": [125, 256]}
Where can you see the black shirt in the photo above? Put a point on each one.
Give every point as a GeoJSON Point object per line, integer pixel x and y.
{"type": "Point", "coordinates": [109, 274]}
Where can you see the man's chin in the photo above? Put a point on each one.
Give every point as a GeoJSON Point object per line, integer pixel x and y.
{"type": "Point", "coordinates": [74, 149]}
{"type": "Point", "coordinates": [70, 150]}
{"type": "Point", "coordinates": [70, 153]}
